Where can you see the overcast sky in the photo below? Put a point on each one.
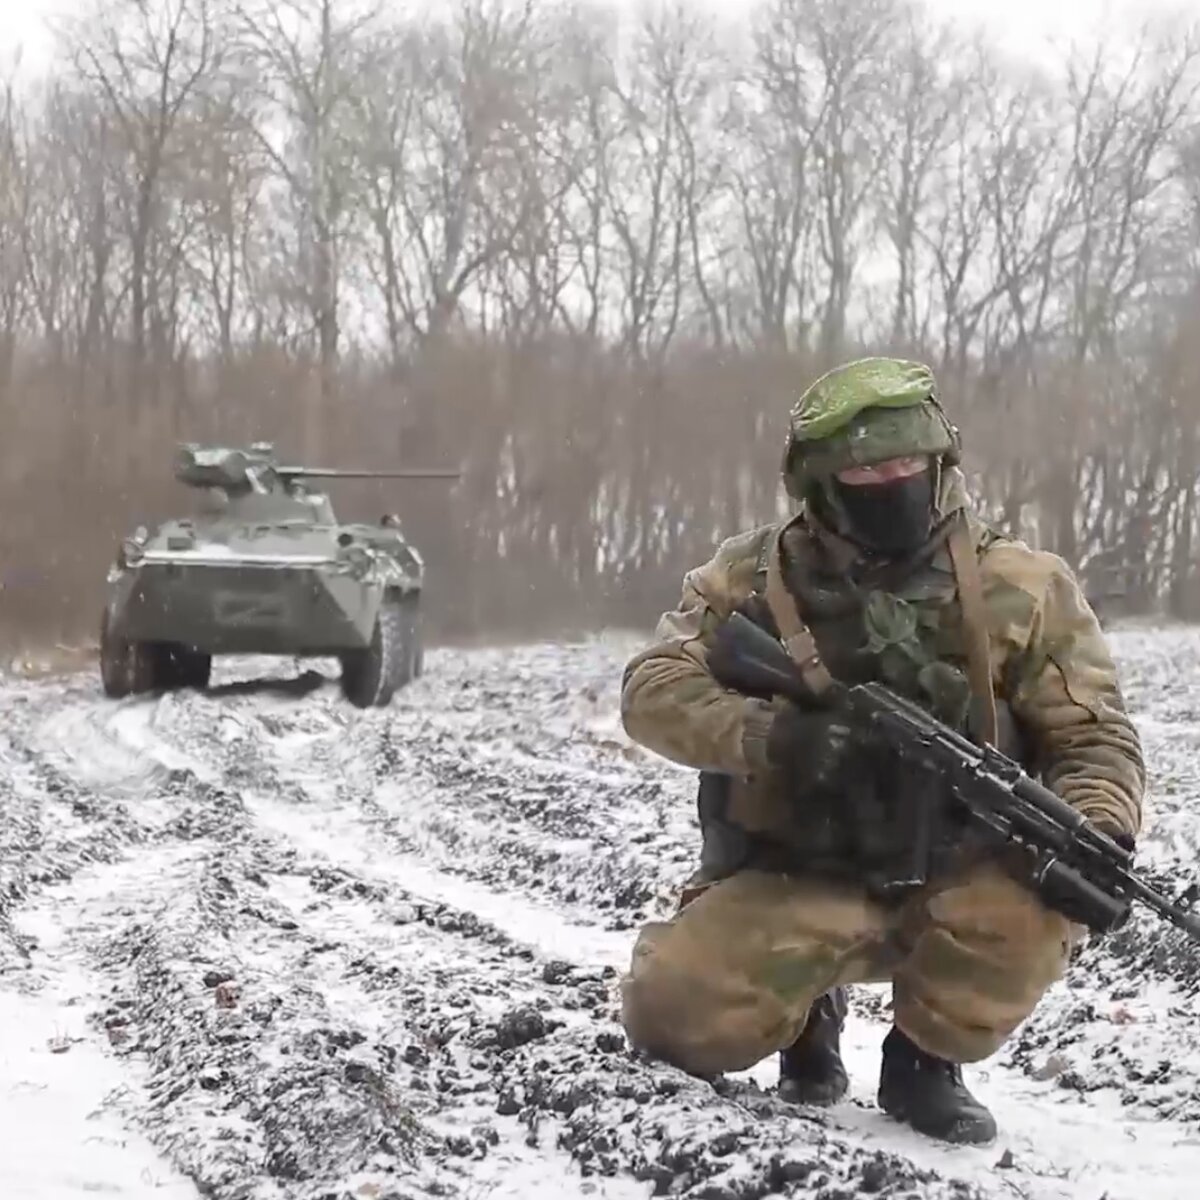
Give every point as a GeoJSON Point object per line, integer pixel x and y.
{"type": "Point", "coordinates": [1022, 26]}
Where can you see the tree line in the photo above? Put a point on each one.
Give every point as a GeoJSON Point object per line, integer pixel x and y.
{"type": "Point", "coordinates": [591, 262]}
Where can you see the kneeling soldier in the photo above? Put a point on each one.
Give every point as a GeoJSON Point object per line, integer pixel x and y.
{"type": "Point", "coordinates": [897, 581]}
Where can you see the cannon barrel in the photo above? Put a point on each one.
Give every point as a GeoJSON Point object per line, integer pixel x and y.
{"type": "Point", "coordinates": [352, 473]}
{"type": "Point", "coordinates": [255, 468]}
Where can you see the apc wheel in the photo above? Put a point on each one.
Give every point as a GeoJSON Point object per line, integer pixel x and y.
{"type": "Point", "coordinates": [126, 667]}
{"type": "Point", "coordinates": [199, 670]}
{"type": "Point", "coordinates": [114, 661]}
{"type": "Point", "coordinates": [368, 676]}
{"type": "Point", "coordinates": [182, 667]}
{"type": "Point", "coordinates": [409, 652]}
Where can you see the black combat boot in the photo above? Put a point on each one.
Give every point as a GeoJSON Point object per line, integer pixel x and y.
{"type": "Point", "coordinates": [927, 1093]}
{"type": "Point", "coordinates": [810, 1069]}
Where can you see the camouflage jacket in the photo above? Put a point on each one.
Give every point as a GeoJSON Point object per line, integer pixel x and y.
{"type": "Point", "coordinates": [1053, 675]}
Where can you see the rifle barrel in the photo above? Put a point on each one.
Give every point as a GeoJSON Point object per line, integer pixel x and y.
{"type": "Point", "coordinates": [1149, 897]}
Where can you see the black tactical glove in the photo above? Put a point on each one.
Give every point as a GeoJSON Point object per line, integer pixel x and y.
{"type": "Point", "coordinates": [809, 747]}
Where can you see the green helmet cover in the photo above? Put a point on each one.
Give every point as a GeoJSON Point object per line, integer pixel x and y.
{"type": "Point", "coordinates": [865, 412]}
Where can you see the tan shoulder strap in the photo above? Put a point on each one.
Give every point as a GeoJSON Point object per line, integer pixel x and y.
{"type": "Point", "coordinates": [975, 630]}
{"type": "Point", "coordinates": [797, 638]}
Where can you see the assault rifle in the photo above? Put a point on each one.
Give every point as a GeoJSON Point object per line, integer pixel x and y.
{"type": "Point", "coordinates": [1073, 867]}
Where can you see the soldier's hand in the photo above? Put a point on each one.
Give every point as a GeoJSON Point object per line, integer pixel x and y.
{"type": "Point", "coordinates": [810, 747]}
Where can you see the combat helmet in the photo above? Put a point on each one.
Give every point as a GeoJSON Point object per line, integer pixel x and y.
{"type": "Point", "coordinates": [864, 412]}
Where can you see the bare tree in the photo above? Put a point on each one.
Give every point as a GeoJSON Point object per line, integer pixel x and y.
{"type": "Point", "coordinates": [549, 184]}
{"type": "Point", "coordinates": [809, 115]}
{"type": "Point", "coordinates": [847, 42]}
{"type": "Point", "coordinates": [68, 231]}
{"type": "Point", "coordinates": [305, 55]}
{"type": "Point", "coordinates": [14, 203]}
{"type": "Point", "coordinates": [223, 197]}
{"type": "Point", "coordinates": [770, 147]}
{"type": "Point", "coordinates": [657, 181]}
{"type": "Point", "coordinates": [925, 87]}
{"type": "Point", "coordinates": [147, 59]}
{"type": "Point", "coordinates": [445, 128]}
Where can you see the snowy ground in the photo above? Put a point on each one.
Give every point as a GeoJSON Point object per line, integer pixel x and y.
{"type": "Point", "coordinates": [257, 944]}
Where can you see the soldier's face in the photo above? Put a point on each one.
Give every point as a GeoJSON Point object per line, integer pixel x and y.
{"type": "Point", "coordinates": [887, 506]}
{"type": "Point", "coordinates": [884, 472]}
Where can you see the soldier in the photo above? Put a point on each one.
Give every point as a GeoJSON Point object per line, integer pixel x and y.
{"type": "Point", "coordinates": [898, 581]}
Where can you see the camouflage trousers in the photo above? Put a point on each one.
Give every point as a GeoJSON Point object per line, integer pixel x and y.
{"type": "Point", "coordinates": [730, 978]}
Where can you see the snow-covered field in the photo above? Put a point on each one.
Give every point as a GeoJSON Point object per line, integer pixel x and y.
{"type": "Point", "coordinates": [257, 944]}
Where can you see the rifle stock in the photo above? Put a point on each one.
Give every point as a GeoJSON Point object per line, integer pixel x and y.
{"type": "Point", "coordinates": [746, 658]}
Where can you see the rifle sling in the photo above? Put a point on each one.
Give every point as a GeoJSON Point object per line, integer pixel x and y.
{"type": "Point", "coordinates": [796, 636]}
{"type": "Point", "coordinates": [975, 630]}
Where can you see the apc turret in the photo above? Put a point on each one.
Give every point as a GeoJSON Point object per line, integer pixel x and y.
{"type": "Point", "coordinates": [265, 567]}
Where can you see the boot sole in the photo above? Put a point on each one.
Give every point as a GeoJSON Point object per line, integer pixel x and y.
{"type": "Point", "coordinates": [963, 1132]}
{"type": "Point", "coordinates": [818, 1098]}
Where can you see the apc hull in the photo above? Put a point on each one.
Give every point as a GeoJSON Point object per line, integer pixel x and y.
{"type": "Point", "coordinates": [245, 607]}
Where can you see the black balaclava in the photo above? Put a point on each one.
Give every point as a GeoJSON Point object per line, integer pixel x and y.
{"type": "Point", "coordinates": [894, 518]}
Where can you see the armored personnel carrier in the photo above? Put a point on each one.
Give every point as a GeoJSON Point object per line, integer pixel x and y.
{"type": "Point", "coordinates": [265, 567]}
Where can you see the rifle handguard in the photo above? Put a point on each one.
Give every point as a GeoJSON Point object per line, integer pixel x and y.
{"type": "Point", "coordinates": [1065, 891]}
